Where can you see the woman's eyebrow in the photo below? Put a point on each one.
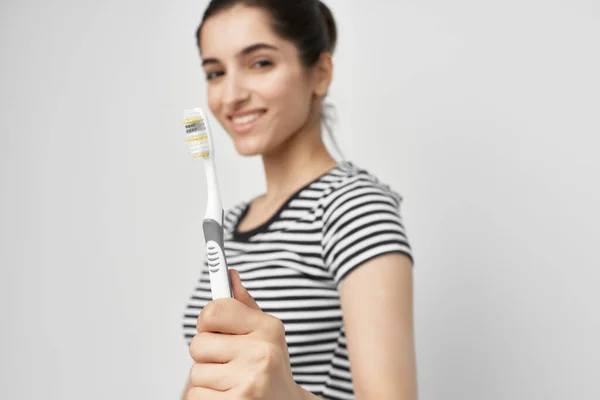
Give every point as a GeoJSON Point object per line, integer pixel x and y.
{"type": "Point", "coordinates": [244, 52]}
{"type": "Point", "coordinates": [255, 47]}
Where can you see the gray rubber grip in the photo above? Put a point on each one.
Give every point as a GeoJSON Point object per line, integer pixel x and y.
{"type": "Point", "coordinates": [214, 231]}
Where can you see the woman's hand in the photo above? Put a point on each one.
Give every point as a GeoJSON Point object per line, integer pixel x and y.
{"type": "Point", "coordinates": [240, 352]}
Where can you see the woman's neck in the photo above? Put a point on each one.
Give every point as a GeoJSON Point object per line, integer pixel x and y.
{"type": "Point", "coordinates": [296, 163]}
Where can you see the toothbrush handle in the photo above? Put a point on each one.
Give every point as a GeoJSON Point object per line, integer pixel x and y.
{"type": "Point", "coordinates": [220, 285]}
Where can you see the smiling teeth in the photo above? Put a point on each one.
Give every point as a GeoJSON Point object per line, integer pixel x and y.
{"type": "Point", "coordinates": [245, 119]}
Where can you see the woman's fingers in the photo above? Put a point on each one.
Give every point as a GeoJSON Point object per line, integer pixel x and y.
{"type": "Point", "coordinates": [219, 377]}
{"type": "Point", "coordinates": [239, 291]}
{"type": "Point", "coordinates": [229, 316]}
{"type": "Point", "coordinates": [200, 393]}
{"type": "Point", "coordinates": [208, 347]}
{"type": "Point", "coordinates": [215, 365]}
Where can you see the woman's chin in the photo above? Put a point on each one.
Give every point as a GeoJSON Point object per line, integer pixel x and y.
{"type": "Point", "coordinates": [255, 144]}
{"type": "Point", "coordinates": [247, 148]}
{"type": "Point", "coordinates": [244, 153]}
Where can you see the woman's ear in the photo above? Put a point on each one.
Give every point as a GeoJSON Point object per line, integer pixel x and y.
{"type": "Point", "coordinates": [323, 74]}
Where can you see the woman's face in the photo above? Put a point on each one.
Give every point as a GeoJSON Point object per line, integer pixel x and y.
{"type": "Point", "coordinates": [257, 87]}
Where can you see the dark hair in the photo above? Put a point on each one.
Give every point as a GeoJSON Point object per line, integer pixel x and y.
{"type": "Point", "coordinates": [309, 24]}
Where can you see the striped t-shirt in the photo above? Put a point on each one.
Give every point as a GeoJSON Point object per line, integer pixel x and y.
{"type": "Point", "coordinates": [294, 263]}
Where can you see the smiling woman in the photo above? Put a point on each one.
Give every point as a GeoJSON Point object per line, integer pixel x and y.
{"type": "Point", "coordinates": [243, 57]}
{"type": "Point", "coordinates": [321, 264]}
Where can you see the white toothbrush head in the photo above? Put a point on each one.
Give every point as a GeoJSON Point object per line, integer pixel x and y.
{"type": "Point", "coordinates": [198, 133]}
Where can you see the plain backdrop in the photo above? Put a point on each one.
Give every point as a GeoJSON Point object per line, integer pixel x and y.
{"type": "Point", "coordinates": [483, 115]}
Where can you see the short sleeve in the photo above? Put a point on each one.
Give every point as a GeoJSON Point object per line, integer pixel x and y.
{"type": "Point", "coordinates": [360, 222]}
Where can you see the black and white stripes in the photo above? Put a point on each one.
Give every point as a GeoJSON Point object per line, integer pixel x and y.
{"type": "Point", "coordinates": [294, 263]}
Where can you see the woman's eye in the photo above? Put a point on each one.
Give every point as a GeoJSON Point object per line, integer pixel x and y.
{"type": "Point", "coordinates": [213, 74]}
{"type": "Point", "coordinates": [262, 63]}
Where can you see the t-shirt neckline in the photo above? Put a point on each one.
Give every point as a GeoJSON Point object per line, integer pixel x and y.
{"type": "Point", "coordinates": [245, 235]}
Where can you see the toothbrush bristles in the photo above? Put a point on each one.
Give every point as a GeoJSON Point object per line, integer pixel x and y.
{"type": "Point", "coordinates": [197, 137]}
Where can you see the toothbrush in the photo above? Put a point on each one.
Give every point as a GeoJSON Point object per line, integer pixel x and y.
{"type": "Point", "coordinates": [201, 146]}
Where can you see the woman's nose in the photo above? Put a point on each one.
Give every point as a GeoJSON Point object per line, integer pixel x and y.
{"type": "Point", "coordinates": [235, 90]}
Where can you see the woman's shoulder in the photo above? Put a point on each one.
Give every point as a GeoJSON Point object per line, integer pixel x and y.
{"type": "Point", "coordinates": [351, 181]}
{"type": "Point", "coordinates": [361, 220]}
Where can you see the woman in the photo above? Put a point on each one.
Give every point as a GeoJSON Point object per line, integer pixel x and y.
{"type": "Point", "coordinates": [320, 264]}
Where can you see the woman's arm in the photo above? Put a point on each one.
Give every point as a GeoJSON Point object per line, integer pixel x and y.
{"type": "Point", "coordinates": [377, 304]}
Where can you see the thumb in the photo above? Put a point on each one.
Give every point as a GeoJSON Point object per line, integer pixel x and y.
{"type": "Point", "coordinates": [239, 291]}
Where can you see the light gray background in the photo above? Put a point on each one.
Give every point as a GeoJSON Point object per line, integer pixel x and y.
{"type": "Point", "coordinates": [483, 115]}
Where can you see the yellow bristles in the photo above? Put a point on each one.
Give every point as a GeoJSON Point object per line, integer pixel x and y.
{"type": "Point", "coordinates": [192, 121]}
{"type": "Point", "coordinates": [201, 137]}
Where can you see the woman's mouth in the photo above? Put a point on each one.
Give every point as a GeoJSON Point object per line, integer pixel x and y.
{"type": "Point", "coordinates": [244, 123]}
